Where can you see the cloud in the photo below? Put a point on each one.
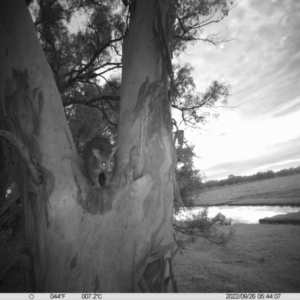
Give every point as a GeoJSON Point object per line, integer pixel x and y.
{"type": "Point", "coordinates": [286, 108]}
{"type": "Point", "coordinates": [281, 156]}
{"type": "Point", "coordinates": [243, 148]}
{"type": "Point", "coordinates": [263, 67]}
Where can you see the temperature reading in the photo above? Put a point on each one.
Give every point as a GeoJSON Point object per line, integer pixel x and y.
{"type": "Point", "coordinates": [57, 296]}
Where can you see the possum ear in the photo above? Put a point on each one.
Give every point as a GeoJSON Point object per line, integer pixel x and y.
{"type": "Point", "coordinates": [113, 151]}
{"type": "Point", "coordinates": [96, 153]}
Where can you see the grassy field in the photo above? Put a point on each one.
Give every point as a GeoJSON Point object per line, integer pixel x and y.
{"type": "Point", "coordinates": [258, 258]}
{"type": "Point", "coordinates": [276, 191]}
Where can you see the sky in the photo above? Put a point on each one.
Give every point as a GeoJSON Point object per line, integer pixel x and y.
{"type": "Point", "coordinates": [262, 131]}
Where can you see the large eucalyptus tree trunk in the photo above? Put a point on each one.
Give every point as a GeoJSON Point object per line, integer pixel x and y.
{"type": "Point", "coordinates": [81, 239]}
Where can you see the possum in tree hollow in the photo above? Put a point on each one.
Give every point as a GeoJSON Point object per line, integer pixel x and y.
{"type": "Point", "coordinates": [99, 160]}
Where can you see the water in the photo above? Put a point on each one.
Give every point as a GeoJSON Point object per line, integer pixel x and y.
{"type": "Point", "coordinates": [242, 214]}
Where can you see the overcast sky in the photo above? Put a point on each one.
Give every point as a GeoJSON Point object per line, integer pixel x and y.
{"type": "Point", "coordinates": [263, 67]}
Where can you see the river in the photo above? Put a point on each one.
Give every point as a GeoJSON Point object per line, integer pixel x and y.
{"type": "Point", "coordinates": [241, 214]}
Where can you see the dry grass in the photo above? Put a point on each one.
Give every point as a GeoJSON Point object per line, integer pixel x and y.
{"type": "Point", "coordinates": [259, 258]}
{"type": "Point", "coordinates": [276, 191]}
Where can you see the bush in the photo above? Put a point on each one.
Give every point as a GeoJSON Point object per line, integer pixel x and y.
{"type": "Point", "coordinates": [200, 225]}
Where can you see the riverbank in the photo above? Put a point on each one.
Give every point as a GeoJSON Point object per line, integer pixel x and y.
{"type": "Point", "coordinates": [258, 258]}
{"type": "Point", "coordinates": [290, 218]}
{"type": "Point", "coordinates": [281, 191]}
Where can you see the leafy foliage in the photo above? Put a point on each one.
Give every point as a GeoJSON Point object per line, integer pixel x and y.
{"type": "Point", "coordinates": [83, 61]}
{"type": "Point", "coordinates": [196, 108]}
{"type": "Point", "coordinates": [187, 176]}
{"type": "Point", "coordinates": [200, 225]}
{"type": "Point", "coordinates": [192, 16]}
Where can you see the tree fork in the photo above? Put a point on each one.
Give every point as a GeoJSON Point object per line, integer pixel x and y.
{"type": "Point", "coordinates": [128, 244]}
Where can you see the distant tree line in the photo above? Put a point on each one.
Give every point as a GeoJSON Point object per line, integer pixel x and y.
{"type": "Point", "coordinates": [232, 179]}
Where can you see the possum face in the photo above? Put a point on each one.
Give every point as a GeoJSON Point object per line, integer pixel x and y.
{"type": "Point", "coordinates": [104, 165]}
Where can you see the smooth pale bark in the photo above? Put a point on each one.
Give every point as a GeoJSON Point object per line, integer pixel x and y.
{"type": "Point", "coordinates": [147, 155]}
{"type": "Point", "coordinates": [84, 240]}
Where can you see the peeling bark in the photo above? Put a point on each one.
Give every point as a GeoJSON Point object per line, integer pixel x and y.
{"type": "Point", "coordinates": [31, 164]}
{"type": "Point", "coordinates": [145, 135]}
